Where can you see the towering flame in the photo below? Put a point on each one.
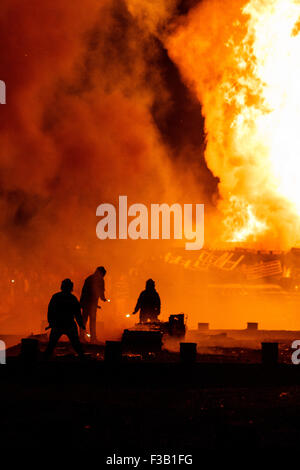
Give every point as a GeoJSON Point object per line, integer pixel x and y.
{"type": "Point", "coordinates": [243, 61]}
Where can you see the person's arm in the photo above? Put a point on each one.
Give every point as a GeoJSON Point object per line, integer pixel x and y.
{"type": "Point", "coordinates": [102, 291]}
{"type": "Point", "coordinates": [138, 304]}
{"type": "Point", "coordinates": [51, 312]}
{"type": "Point", "coordinates": [158, 304]}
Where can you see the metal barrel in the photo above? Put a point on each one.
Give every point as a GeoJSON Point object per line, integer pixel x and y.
{"type": "Point", "coordinates": [29, 350]}
{"type": "Point", "coordinates": [188, 352]}
{"type": "Point", "coordinates": [269, 354]}
{"type": "Point", "coordinates": [203, 326]}
{"type": "Point", "coordinates": [113, 351]}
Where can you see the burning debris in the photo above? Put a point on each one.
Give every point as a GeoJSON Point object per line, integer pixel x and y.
{"type": "Point", "coordinates": [149, 336]}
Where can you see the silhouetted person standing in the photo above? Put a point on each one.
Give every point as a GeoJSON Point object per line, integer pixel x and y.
{"type": "Point", "coordinates": [93, 288]}
{"type": "Point", "coordinates": [63, 310]}
{"type": "Point", "coordinates": [148, 303]}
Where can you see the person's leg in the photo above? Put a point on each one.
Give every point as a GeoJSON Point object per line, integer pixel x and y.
{"type": "Point", "coordinates": [93, 316]}
{"type": "Point", "coordinates": [72, 334]}
{"type": "Point", "coordinates": [143, 317]}
{"type": "Point", "coordinates": [153, 317]}
{"type": "Point", "coordinates": [55, 334]}
{"type": "Point", "coordinates": [85, 316]}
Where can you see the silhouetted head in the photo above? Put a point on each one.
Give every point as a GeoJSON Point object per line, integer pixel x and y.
{"type": "Point", "coordinates": [101, 270]}
{"type": "Point", "coordinates": [150, 284]}
{"type": "Point", "coordinates": [67, 285]}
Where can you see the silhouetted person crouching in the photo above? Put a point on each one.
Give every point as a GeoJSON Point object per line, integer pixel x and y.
{"type": "Point", "coordinates": [63, 310]}
{"type": "Point", "coordinates": [148, 303]}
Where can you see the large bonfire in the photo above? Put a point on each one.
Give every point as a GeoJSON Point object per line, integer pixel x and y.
{"type": "Point", "coordinates": [242, 59]}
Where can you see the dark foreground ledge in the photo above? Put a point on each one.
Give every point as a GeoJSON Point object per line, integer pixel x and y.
{"type": "Point", "coordinates": [148, 408]}
{"type": "Point", "coordinates": [145, 374]}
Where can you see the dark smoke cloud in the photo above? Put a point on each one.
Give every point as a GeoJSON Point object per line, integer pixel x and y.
{"type": "Point", "coordinates": [87, 86]}
{"type": "Point", "coordinates": [95, 109]}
